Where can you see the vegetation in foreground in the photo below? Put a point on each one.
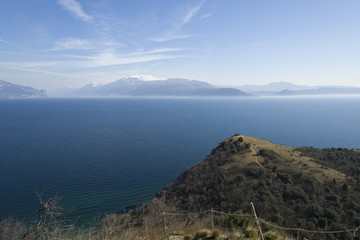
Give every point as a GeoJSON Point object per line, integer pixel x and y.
{"type": "Point", "coordinates": [52, 225]}
{"type": "Point", "coordinates": [308, 188]}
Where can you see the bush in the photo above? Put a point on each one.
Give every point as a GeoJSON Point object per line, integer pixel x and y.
{"type": "Point", "coordinates": [251, 234]}
{"type": "Point", "coordinates": [177, 233]}
{"type": "Point", "coordinates": [11, 228]}
{"type": "Point", "coordinates": [201, 234]}
{"type": "Point", "coordinates": [235, 221]}
{"type": "Point", "coordinates": [215, 234]}
{"type": "Point", "coordinates": [331, 214]}
{"type": "Point", "coordinates": [285, 178]}
{"type": "Point", "coordinates": [270, 236]}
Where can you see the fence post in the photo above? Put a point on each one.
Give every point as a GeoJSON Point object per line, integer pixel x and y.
{"type": "Point", "coordinates": [298, 234]}
{"type": "Point", "coordinates": [146, 227]}
{"type": "Point", "coordinates": [164, 222]}
{"type": "Point", "coordinates": [212, 220]}
{"type": "Point", "coordinates": [257, 221]}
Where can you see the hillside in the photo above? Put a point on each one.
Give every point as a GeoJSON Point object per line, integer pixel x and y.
{"type": "Point", "coordinates": [11, 91]}
{"type": "Point", "coordinates": [307, 187]}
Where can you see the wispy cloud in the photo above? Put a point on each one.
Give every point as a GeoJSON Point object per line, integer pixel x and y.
{"type": "Point", "coordinates": [75, 9]}
{"type": "Point", "coordinates": [107, 57]}
{"type": "Point", "coordinates": [104, 52]}
{"type": "Point", "coordinates": [191, 13]}
{"type": "Point", "coordinates": [11, 53]}
{"type": "Point", "coordinates": [161, 50]}
{"type": "Point", "coordinates": [185, 18]}
{"type": "Point", "coordinates": [168, 37]}
{"type": "Point", "coordinates": [11, 44]}
{"type": "Point", "coordinates": [71, 43]}
{"type": "Point", "coordinates": [110, 57]}
{"type": "Point", "coordinates": [39, 71]}
{"type": "Point", "coordinates": [205, 16]}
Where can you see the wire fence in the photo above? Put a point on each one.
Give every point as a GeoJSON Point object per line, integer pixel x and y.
{"type": "Point", "coordinates": [234, 222]}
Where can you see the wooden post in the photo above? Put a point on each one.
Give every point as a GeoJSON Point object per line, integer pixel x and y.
{"type": "Point", "coordinates": [257, 221]}
{"type": "Point", "coordinates": [164, 222]}
{"type": "Point", "coordinates": [146, 227]}
{"type": "Point", "coordinates": [298, 235]}
{"type": "Point", "coordinates": [212, 220]}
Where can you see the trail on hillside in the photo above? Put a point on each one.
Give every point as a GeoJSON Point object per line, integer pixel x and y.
{"type": "Point", "coordinates": [256, 158]}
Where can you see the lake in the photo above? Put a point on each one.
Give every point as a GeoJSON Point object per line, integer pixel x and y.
{"type": "Point", "coordinates": [104, 155]}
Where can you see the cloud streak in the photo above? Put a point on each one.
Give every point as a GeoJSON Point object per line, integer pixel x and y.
{"type": "Point", "coordinates": [108, 57]}
{"type": "Point", "coordinates": [184, 19]}
{"type": "Point", "coordinates": [40, 71]}
{"type": "Point", "coordinates": [168, 37]}
{"type": "Point", "coordinates": [205, 16]}
{"type": "Point", "coordinates": [75, 9]}
{"type": "Point", "coordinates": [11, 44]}
{"type": "Point", "coordinates": [191, 13]}
{"type": "Point", "coordinates": [71, 44]}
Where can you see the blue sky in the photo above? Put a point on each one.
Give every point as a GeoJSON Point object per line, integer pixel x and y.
{"type": "Point", "coordinates": [69, 43]}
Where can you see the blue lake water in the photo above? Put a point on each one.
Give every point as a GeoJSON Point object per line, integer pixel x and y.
{"type": "Point", "coordinates": [103, 155]}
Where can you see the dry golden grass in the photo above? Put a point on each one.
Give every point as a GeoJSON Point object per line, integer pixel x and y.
{"type": "Point", "coordinates": [293, 159]}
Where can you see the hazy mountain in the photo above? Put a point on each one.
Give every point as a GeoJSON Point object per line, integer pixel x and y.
{"type": "Point", "coordinates": [290, 89]}
{"type": "Point", "coordinates": [134, 86]}
{"type": "Point", "coordinates": [10, 91]}
{"type": "Point", "coordinates": [320, 91]}
{"type": "Point", "coordinates": [273, 87]}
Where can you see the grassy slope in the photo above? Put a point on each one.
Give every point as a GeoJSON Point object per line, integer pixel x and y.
{"type": "Point", "coordinates": [288, 186]}
{"type": "Point", "coordinates": [294, 159]}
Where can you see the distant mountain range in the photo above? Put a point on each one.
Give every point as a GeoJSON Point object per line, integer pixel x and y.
{"type": "Point", "coordinates": [173, 87]}
{"type": "Point", "coordinates": [11, 91]}
{"type": "Point", "coordinates": [321, 91]}
{"type": "Point", "coordinates": [273, 87]}
{"type": "Point", "coordinates": [289, 89]}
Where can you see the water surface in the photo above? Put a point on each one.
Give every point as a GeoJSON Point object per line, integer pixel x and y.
{"type": "Point", "coordinates": [103, 155]}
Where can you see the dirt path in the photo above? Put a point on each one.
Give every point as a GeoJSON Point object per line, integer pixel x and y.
{"type": "Point", "coordinates": [256, 158]}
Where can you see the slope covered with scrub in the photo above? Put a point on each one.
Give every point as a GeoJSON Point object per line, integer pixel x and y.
{"type": "Point", "coordinates": [306, 187]}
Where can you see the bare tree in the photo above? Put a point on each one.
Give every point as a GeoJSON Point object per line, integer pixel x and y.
{"type": "Point", "coordinates": [50, 219]}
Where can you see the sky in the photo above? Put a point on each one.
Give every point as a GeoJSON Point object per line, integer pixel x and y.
{"type": "Point", "coordinates": [52, 44]}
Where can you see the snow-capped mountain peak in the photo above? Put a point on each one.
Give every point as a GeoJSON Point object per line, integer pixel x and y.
{"type": "Point", "coordinates": [94, 84]}
{"type": "Point", "coordinates": [147, 77]}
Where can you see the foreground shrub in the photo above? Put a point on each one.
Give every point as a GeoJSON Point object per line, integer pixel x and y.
{"type": "Point", "coordinates": [201, 234]}
{"type": "Point", "coordinates": [271, 236]}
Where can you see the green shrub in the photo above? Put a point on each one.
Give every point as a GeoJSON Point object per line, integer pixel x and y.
{"type": "Point", "coordinates": [331, 214]}
{"type": "Point", "coordinates": [270, 236]}
{"type": "Point", "coordinates": [215, 234]}
{"type": "Point", "coordinates": [201, 234]}
{"type": "Point", "coordinates": [177, 233]}
{"type": "Point", "coordinates": [250, 234]}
